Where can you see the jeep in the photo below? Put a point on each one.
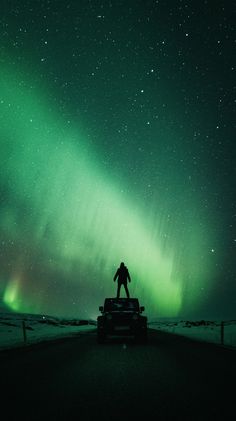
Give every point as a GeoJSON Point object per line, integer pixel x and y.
{"type": "Point", "coordinates": [121, 317]}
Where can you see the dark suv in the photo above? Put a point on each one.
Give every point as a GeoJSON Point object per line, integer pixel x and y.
{"type": "Point", "coordinates": [121, 317]}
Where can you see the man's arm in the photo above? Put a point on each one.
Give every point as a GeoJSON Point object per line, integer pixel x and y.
{"type": "Point", "coordinates": [117, 272]}
{"type": "Point", "coordinates": [128, 276]}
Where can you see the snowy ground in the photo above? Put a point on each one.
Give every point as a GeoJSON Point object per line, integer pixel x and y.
{"type": "Point", "coordinates": [217, 331]}
{"type": "Point", "coordinates": [17, 329]}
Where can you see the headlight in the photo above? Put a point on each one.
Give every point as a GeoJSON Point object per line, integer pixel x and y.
{"type": "Point", "coordinates": [109, 317]}
{"type": "Point", "coordinates": [135, 317]}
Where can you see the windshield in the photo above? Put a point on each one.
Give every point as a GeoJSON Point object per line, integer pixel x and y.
{"type": "Point", "coordinates": [121, 304]}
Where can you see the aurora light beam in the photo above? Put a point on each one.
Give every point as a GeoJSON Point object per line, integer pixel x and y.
{"type": "Point", "coordinates": [66, 226]}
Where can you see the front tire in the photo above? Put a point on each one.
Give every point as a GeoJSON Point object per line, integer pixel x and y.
{"type": "Point", "coordinates": [101, 337]}
{"type": "Point", "coordinates": [141, 338]}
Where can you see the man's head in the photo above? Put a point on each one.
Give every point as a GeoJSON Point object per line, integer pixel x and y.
{"type": "Point", "coordinates": [122, 264]}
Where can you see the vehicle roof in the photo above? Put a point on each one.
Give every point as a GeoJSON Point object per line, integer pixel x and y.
{"type": "Point", "coordinates": [121, 304]}
{"type": "Point", "coordinates": [121, 300]}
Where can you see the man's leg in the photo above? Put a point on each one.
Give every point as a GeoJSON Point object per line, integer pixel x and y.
{"type": "Point", "coordinates": [118, 290]}
{"type": "Point", "coordinates": [126, 289]}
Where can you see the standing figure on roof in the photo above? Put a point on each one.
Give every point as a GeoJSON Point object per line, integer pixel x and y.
{"type": "Point", "coordinates": [123, 276]}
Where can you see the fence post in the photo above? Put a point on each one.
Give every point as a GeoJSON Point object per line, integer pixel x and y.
{"type": "Point", "coordinates": [222, 333]}
{"type": "Point", "coordinates": [24, 331]}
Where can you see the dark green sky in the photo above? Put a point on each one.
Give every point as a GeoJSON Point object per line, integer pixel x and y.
{"type": "Point", "coordinates": [117, 141]}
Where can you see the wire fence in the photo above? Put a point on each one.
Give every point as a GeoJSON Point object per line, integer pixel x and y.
{"type": "Point", "coordinates": [220, 332]}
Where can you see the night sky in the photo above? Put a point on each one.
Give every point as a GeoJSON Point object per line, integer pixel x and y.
{"type": "Point", "coordinates": [117, 143]}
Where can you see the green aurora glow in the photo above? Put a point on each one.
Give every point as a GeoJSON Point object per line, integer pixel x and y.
{"type": "Point", "coordinates": [117, 143]}
{"type": "Point", "coordinates": [70, 223]}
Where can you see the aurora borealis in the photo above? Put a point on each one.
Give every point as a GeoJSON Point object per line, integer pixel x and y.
{"type": "Point", "coordinates": [117, 144]}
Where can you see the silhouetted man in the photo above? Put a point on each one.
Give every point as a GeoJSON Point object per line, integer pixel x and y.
{"type": "Point", "coordinates": [123, 275]}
